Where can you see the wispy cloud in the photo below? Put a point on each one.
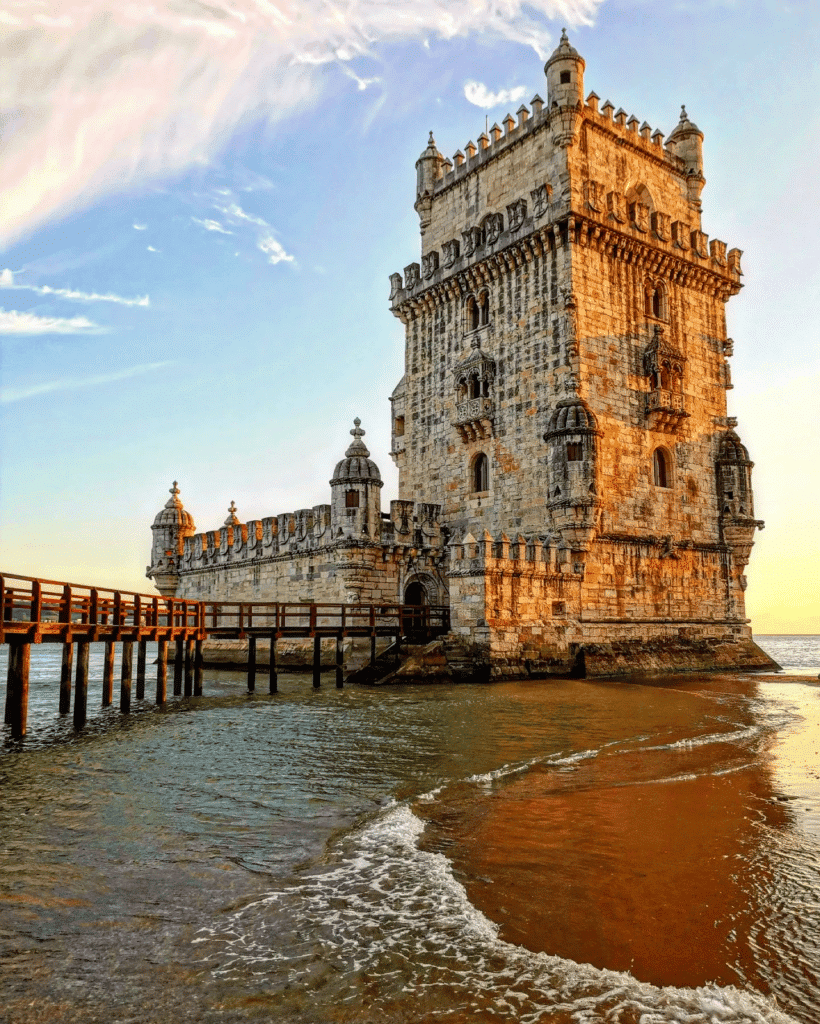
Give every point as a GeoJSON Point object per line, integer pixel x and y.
{"type": "Point", "coordinates": [478, 94]}
{"type": "Point", "coordinates": [235, 212]}
{"type": "Point", "coordinates": [12, 322]}
{"type": "Point", "coordinates": [274, 251]}
{"type": "Point", "coordinates": [212, 225]}
{"type": "Point", "coordinates": [7, 281]}
{"type": "Point", "coordinates": [150, 248]}
{"type": "Point", "coordinates": [72, 383]}
{"type": "Point", "coordinates": [140, 227]}
{"type": "Point", "coordinates": [106, 95]}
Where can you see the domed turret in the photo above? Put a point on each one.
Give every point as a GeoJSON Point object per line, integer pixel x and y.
{"type": "Point", "coordinates": [171, 526]}
{"type": "Point", "coordinates": [686, 141]}
{"type": "Point", "coordinates": [572, 498]}
{"type": "Point", "coordinates": [356, 487]}
{"type": "Point", "coordinates": [429, 168]}
{"type": "Point", "coordinates": [735, 498]}
{"type": "Point", "coordinates": [565, 75]}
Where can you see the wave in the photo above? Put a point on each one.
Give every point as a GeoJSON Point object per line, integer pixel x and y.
{"type": "Point", "coordinates": [393, 918]}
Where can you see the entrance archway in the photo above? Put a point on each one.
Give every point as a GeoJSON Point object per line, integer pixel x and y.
{"type": "Point", "coordinates": [414, 593]}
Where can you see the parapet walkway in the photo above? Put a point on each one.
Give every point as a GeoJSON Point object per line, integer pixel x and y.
{"type": "Point", "coordinates": [35, 611]}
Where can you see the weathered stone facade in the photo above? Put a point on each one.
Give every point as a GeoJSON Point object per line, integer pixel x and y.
{"type": "Point", "coordinates": [568, 472]}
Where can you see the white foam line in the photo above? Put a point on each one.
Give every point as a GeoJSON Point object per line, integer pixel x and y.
{"type": "Point", "coordinates": [386, 898]}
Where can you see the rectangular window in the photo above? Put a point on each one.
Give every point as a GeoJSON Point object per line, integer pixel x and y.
{"type": "Point", "coordinates": [398, 426]}
{"type": "Point", "coordinates": [575, 451]}
{"type": "Point", "coordinates": [351, 499]}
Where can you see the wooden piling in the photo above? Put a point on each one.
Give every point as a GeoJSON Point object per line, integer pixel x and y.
{"type": "Point", "coordinates": [65, 678]}
{"type": "Point", "coordinates": [17, 687]}
{"type": "Point", "coordinates": [340, 680]}
{"type": "Point", "coordinates": [141, 654]}
{"type": "Point", "coordinates": [125, 677]}
{"type": "Point", "coordinates": [372, 648]}
{"type": "Point", "coordinates": [81, 684]}
{"type": "Point", "coordinates": [251, 664]}
{"type": "Point", "coordinates": [273, 679]}
{"type": "Point", "coordinates": [317, 662]}
{"type": "Point", "coordinates": [162, 671]}
{"type": "Point", "coordinates": [198, 669]}
{"type": "Point", "coordinates": [178, 665]}
{"type": "Point", "coordinates": [108, 674]}
{"type": "Point", "coordinates": [189, 666]}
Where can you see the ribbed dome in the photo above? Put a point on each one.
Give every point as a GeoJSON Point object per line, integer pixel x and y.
{"type": "Point", "coordinates": [684, 125]}
{"type": "Point", "coordinates": [731, 449]}
{"type": "Point", "coordinates": [564, 49]}
{"type": "Point", "coordinates": [356, 466]}
{"type": "Point", "coordinates": [173, 514]}
{"type": "Point", "coordinates": [571, 416]}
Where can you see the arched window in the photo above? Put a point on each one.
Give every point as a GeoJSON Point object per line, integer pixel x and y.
{"type": "Point", "coordinates": [480, 474]}
{"type": "Point", "coordinates": [475, 387]}
{"type": "Point", "coordinates": [655, 300]}
{"type": "Point", "coordinates": [484, 308]}
{"type": "Point", "coordinates": [661, 469]}
{"type": "Point", "coordinates": [471, 314]}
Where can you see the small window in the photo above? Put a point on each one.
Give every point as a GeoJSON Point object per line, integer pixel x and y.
{"type": "Point", "coordinates": [575, 451]}
{"type": "Point", "coordinates": [484, 309]}
{"type": "Point", "coordinates": [660, 468]}
{"type": "Point", "coordinates": [398, 426]}
{"type": "Point", "coordinates": [566, 77]}
{"type": "Point", "coordinates": [475, 388]}
{"type": "Point", "coordinates": [351, 499]}
{"type": "Point", "coordinates": [471, 318]}
{"type": "Point", "coordinates": [480, 473]}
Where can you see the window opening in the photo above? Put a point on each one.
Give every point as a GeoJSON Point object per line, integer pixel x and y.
{"type": "Point", "coordinates": [575, 451]}
{"type": "Point", "coordinates": [351, 499]}
{"type": "Point", "coordinates": [481, 473]}
{"type": "Point", "coordinates": [660, 468]}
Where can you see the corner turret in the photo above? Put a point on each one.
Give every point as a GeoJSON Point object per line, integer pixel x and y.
{"type": "Point", "coordinates": [686, 142]}
{"type": "Point", "coordinates": [356, 510]}
{"type": "Point", "coordinates": [171, 526]}
{"type": "Point", "coordinates": [565, 75]}
{"type": "Point", "coordinates": [428, 170]}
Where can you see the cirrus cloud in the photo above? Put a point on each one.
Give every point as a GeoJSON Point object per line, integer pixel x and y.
{"type": "Point", "coordinates": [13, 322]}
{"type": "Point", "coordinates": [109, 94]}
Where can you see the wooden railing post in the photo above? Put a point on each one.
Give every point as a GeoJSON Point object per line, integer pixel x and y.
{"type": "Point", "coordinates": [142, 646]}
{"type": "Point", "coordinates": [162, 671]}
{"type": "Point", "coordinates": [340, 681]}
{"type": "Point", "coordinates": [81, 684]}
{"type": "Point", "coordinates": [17, 686]}
{"type": "Point", "coordinates": [36, 601]}
{"type": "Point", "coordinates": [251, 664]}
{"type": "Point", "coordinates": [125, 677]}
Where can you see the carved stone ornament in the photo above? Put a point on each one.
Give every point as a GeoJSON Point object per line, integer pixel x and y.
{"type": "Point", "coordinates": [639, 214]}
{"type": "Point", "coordinates": [429, 264]}
{"type": "Point", "coordinates": [493, 227]}
{"type": "Point", "coordinates": [451, 252]}
{"type": "Point", "coordinates": [661, 225]}
{"type": "Point", "coordinates": [516, 214]}
{"type": "Point", "coordinates": [470, 241]}
{"type": "Point", "coordinates": [395, 285]}
{"type": "Point", "coordinates": [595, 195]}
{"type": "Point", "coordinates": [541, 199]}
{"type": "Point", "coordinates": [616, 206]}
{"type": "Point", "coordinates": [411, 275]}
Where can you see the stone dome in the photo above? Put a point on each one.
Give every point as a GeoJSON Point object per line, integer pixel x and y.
{"type": "Point", "coordinates": [732, 450]}
{"type": "Point", "coordinates": [564, 50]}
{"type": "Point", "coordinates": [571, 416]}
{"type": "Point", "coordinates": [684, 125]}
{"type": "Point", "coordinates": [357, 466]}
{"type": "Point", "coordinates": [174, 514]}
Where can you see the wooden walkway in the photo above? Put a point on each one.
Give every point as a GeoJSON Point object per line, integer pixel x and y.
{"type": "Point", "coordinates": [36, 611]}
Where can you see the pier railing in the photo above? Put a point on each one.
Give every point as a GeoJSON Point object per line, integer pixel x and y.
{"type": "Point", "coordinates": [36, 611]}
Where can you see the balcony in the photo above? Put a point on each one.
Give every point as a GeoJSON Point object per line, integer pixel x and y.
{"type": "Point", "coordinates": [664, 410]}
{"type": "Point", "coordinates": [473, 418]}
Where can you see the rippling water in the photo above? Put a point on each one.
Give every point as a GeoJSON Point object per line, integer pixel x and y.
{"type": "Point", "coordinates": [532, 851]}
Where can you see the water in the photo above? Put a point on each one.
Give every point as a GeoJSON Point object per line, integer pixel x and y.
{"type": "Point", "coordinates": [527, 851]}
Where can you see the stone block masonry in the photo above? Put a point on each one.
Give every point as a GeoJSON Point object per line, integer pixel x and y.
{"type": "Point", "coordinates": [570, 481]}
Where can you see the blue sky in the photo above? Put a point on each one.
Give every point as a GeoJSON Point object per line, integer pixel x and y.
{"type": "Point", "coordinates": [203, 202]}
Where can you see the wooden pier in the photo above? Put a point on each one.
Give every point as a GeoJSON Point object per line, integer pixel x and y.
{"type": "Point", "coordinates": [36, 611]}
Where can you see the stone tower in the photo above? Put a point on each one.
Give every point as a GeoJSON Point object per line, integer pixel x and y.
{"type": "Point", "coordinates": [172, 525]}
{"type": "Point", "coordinates": [564, 395]}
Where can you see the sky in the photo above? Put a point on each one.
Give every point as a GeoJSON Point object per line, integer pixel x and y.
{"type": "Point", "coordinates": [202, 203]}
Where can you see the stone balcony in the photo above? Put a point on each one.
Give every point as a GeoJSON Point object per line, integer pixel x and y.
{"type": "Point", "coordinates": [665, 410]}
{"type": "Point", "coordinates": [473, 418]}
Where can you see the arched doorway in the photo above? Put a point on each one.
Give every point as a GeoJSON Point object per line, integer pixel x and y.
{"type": "Point", "coordinates": [414, 593]}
